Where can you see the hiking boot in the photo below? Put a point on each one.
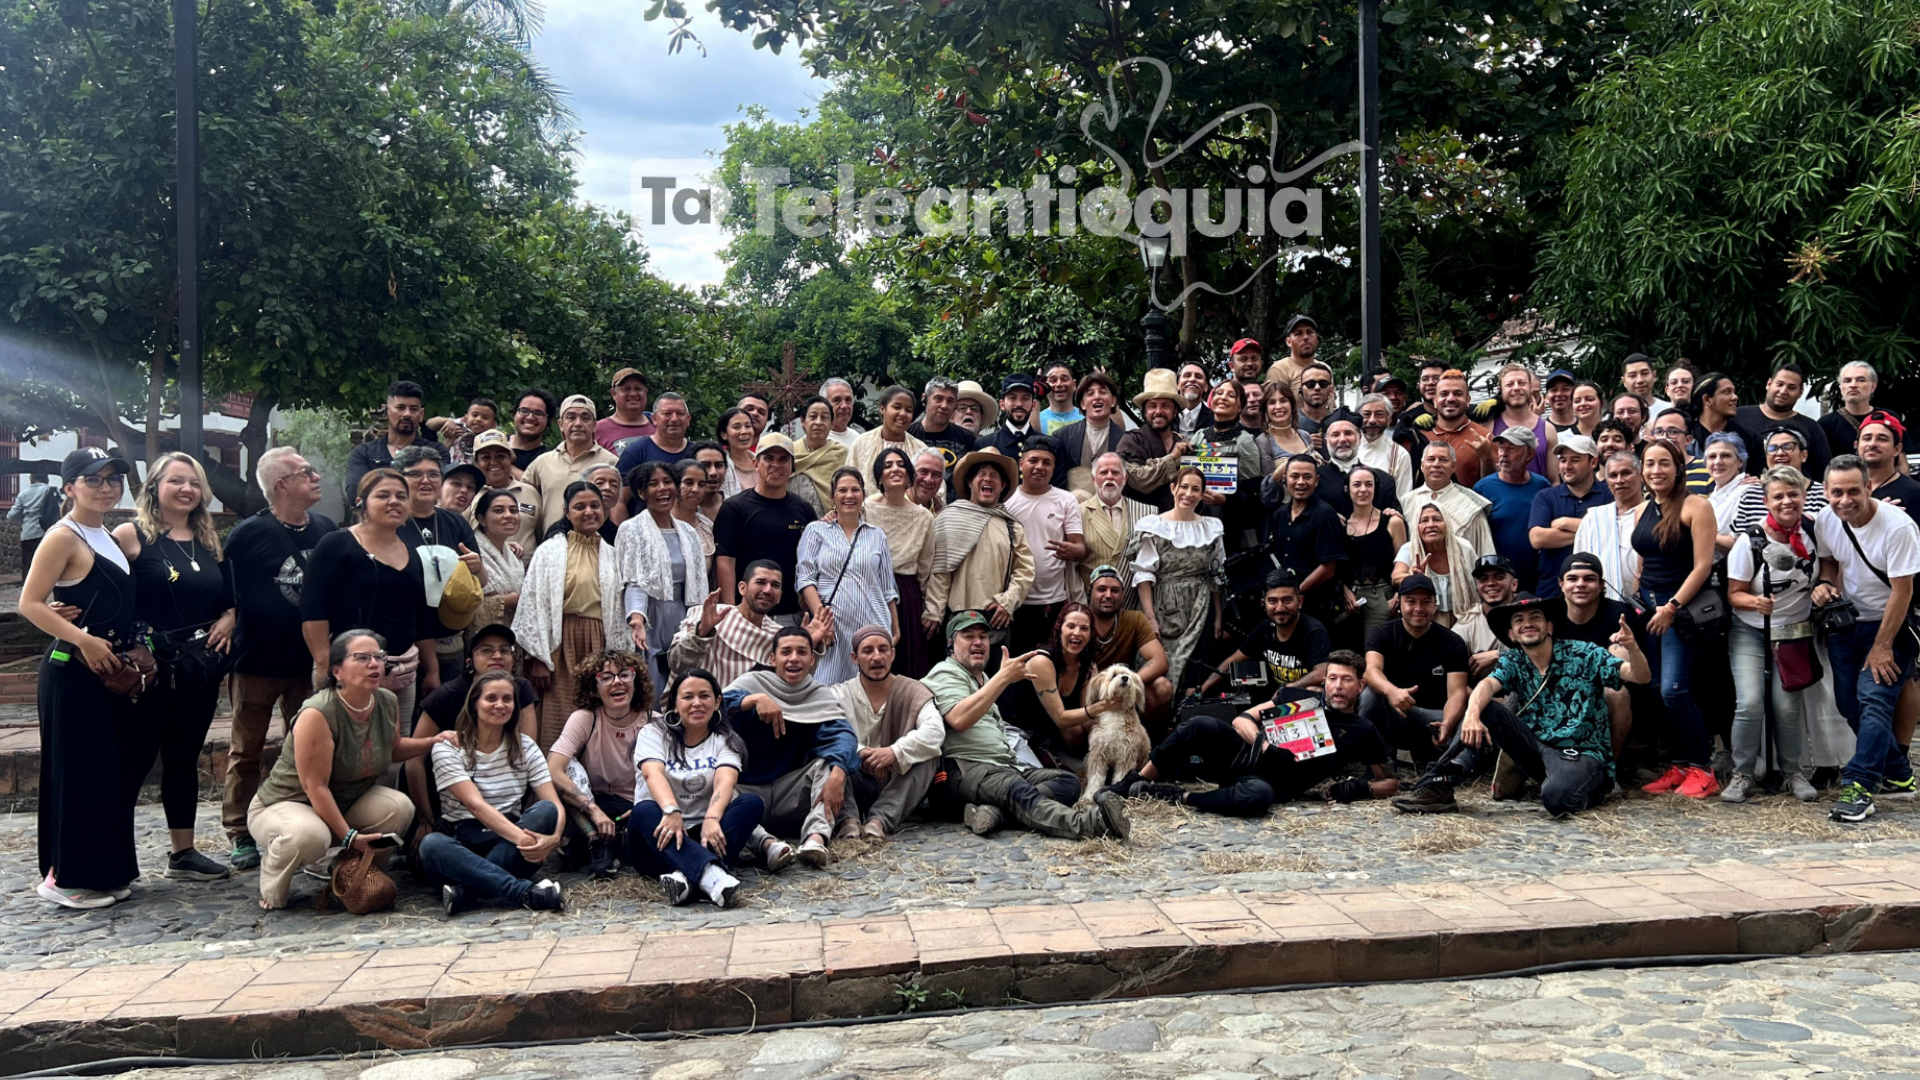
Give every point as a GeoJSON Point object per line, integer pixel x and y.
{"type": "Point", "coordinates": [1509, 783]}
{"type": "Point", "coordinates": [1738, 789]}
{"type": "Point", "coordinates": [1113, 810]}
{"type": "Point", "coordinates": [675, 887]}
{"type": "Point", "coordinates": [981, 819]}
{"type": "Point", "coordinates": [546, 896]}
{"type": "Point", "coordinates": [245, 854]}
{"type": "Point", "coordinates": [190, 865]}
{"type": "Point", "coordinates": [1431, 798]}
{"type": "Point", "coordinates": [1152, 789]}
{"type": "Point", "coordinates": [1801, 788]}
{"type": "Point", "coordinates": [1855, 803]}
{"type": "Point", "coordinates": [1667, 782]}
{"type": "Point", "coordinates": [1699, 784]}
{"type": "Point", "coordinates": [1897, 789]}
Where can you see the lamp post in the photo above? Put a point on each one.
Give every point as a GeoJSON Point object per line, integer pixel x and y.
{"type": "Point", "coordinates": [1153, 255]}
{"type": "Point", "coordinates": [186, 107]}
{"type": "Point", "coordinates": [1369, 190]}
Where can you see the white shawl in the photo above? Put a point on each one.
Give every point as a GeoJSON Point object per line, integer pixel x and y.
{"type": "Point", "coordinates": [536, 623]}
{"type": "Point", "coordinates": [643, 561]}
{"type": "Point", "coordinates": [506, 572]}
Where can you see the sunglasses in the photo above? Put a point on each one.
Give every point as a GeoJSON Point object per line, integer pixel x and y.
{"type": "Point", "coordinates": [1315, 384]}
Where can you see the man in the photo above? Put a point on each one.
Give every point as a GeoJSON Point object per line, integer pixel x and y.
{"type": "Point", "coordinates": [980, 766]}
{"type": "Point", "coordinates": [406, 420]}
{"type": "Point", "coordinates": [1316, 403]}
{"type": "Point", "coordinates": [1302, 337]}
{"type": "Point", "coordinates": [1471, 443]}
{"type": "Point", "coordinates": [1305, 535]}
{"type": "Point", "coordinates": [1510, 492]}
{"type": "Point", "coordinates": [36, 508]}
{"type": "Point", "coordinates": [1518, 390]}
{"type": "Point", "coordinates": [1672, 426]}
{"type": "Point", "coordinates": [1561, 739]}
{"type": "Point", "coordinates": [1559, 391]}
{"type": "Point", "coordinates": [981, 561]}
{"type": "Point", "coordinates": [1607, 533]}
{"type": "Point", "coordinates": [630, 419]}
{"type": "Point", "coordinates": [1245, 359]}
{"type": "Point", "coordinates": [433, 525]}
{"type": "Point", "coordinates": [1631, 410]}
{"type": "Point", "coordinates": [975, 411]}
{"type": "Point", "coordinates": [1555, 514]}
{"type": "Point", "coordinates": [732, 640]}
{"type": "Point", "coordinates": [1394, 389]}
{"type": "Point", "coordinates": [1094, 434]}
{"type": "Point", "coordinates": [1466, 510]}
{"type": "Point", "coordinates": [459, 485]}
{"type": "Point", "coordinates": [1416, 673]}
{"type": "Point", "coordinates": [1194, 387]}
{"type": "Point", "coordinates": [1251, 774]}
{"type": "Point", "coordinates": [1636, 377]}
{"type": "Point", "coordinates": [1152, 451]}
{"type": "Point", "coordinates": [1016, 414]}
{"type": "Point", "coordinates": [1784, 447]}
{"type": "Point", "coordinates": [1108, 518]}
{"type": "Point", "coordinates": [936, 427]}
{"type": "Point", "coordinates": [1776, 409]}
{"type": "Point", "coordinates": [267, 556]}
{"type": "Point", "coordinates": [840, 396]}
{"type": "Point", "coordinates": [552, 471]}
{"type": "Point", "coordinates": [1612, 437]}
{"type": "Point", "coordinates": [1869, 554]}
{"type": "Point", "coordinates": [1061, 408]}
{"type": "Point", "coordinates": [800, 747]}
{"type": "Point", "coordinates": [1717, 406]}
{"type": "Point", "coordinates": [1292, 647]}
{"type": "Point", "coordinates": [1126, 637]}
{"type": "Point", "coordinates": [1857, 383]}
{"type": "Point", "coordinates": [1342, 442]}
{"type": "Point", "coordinates": [1495, 583]}
{"type": "Point", "coordinates": [900, 732]}
{"type": "Point", "coordinates": [606, 479]}
{"type": "Point", "coordinates": [1050, 519]}
{"type": "Point", "coordinates": [1410, 417]}
{"type": "Point", "coordinates": [530, 419]}
{"type": "Point", "coordinates": [929, 479]}
{"type": "Point", "coordinates": [1589, 615]}
{"type": "Point", "coordinates": [764, 523]}
{"type": "Point", "coordinates": [1378, 450]}
{"type": "Point", "coordinates": [1879, 438]}
{"type": "Point", "coordinates": [756, 405]}
{"type": "Point", "coordinates": [671, 419]}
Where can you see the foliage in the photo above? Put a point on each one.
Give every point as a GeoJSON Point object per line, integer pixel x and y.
{"type": "Point", "coordinates": [322, 437]}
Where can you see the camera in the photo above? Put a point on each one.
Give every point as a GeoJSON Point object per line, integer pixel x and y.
{"type": "Point", "coordinates": [1837, 617]}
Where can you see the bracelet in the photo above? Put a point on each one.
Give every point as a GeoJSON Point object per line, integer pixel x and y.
{"type": "Point", "coordinates": [348, 841]}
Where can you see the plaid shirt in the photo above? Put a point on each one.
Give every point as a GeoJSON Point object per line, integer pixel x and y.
{"type": "Point", "coordinates": [734, 649]}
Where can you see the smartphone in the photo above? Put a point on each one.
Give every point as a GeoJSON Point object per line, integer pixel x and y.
{"type": "Point", "coordinates": [382, 841]}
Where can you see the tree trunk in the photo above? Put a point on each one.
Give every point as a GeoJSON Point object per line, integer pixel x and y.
{"type": "Point", "coordinates": [1262, 321]}
{"type": "Point", "coordinates": [233, 484]}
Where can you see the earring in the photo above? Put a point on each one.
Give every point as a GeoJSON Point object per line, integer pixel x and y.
{"type": "Point", "coordinates": [673, 720]}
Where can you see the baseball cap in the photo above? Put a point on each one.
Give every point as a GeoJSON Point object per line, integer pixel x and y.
{"type": "Point", "coordinates": [626, 373]}
{"type": "Point", "coordinates": [579, 401]}
{"type": "Point", "coordinates": [773, 440]}
{"type": "Point", "coordinates": [1584, 560]}
{"type": "Point", "coordinates": [471, 472]}
{"type": "Point", "coordinates": [490, 438]}
{"type": "Point", "coordinates": [1297, 320]}
{"type": "Point", "coordinates": [1415, 583]}
{"type": "Point", "coordinates": [1518, 436]}
{"type": "Point", "coordinates": [1017, 381]}
{"type": "Point", "coordinates": [1558, 375]}
{"type": "Point", "coordinates": [1380, 385]}
{"type": "Point", "coordinates": [1041, 442]}
{"type": "Point", "coordinates": [963, 620]}
{"type": "Point", "coordinates": [1888, 421]}
{"type": "Point", "coordinates": [1578, 443]}
{"type": "Point", "coordinates": [1105, 570]}
{"type": "Point", "coordinates": [1243, 345]}
{"type": "Point", "coordinates": [89, 460]}
{"type": "Point", "coordinates": [501, 630]}
{"type": "Point", "coordinates": [1487, 564]}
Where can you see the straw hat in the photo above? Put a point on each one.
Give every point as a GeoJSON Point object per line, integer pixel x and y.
{"type": "Point", "coordinates": [988, 457]}
{"type": "Point", "coordinates": [1161, 383]}
{"type": "Point", "coordinates": [969, 390]}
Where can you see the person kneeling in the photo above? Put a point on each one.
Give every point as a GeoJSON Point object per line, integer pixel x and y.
{"type": "Point", "coordinates": [1253, 774]}
{"type": "Point", "coordinates": [689, 761]}
{"type": "Point", "coordinates": [1563, 739]}
{"type": "Point", "coordinates": [485, 849]}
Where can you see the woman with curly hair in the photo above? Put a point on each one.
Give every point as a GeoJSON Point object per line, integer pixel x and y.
{"type": "Point", "coordinates": [592, 760]}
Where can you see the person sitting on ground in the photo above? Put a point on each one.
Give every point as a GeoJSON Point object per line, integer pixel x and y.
{"type": "Point", "coordinates": [493, 650]}
{"type": "Point", "coordinates": [487, 848]}
{"type": "Point", "coordinates": [1251, 772]}
{"type": "Point", "coordinates": [689, 764]}
{"type": "Point", "coordinates": [981, 769]}
{"type": "Point", "coordinates": [800, 749]}
{"type": "Point", "coordinates": [592, 760]}
{"type": "Point", "coordinates": [900, 733]}
{"type": "Point", "coordinates": [1416, 673]}
{"type": "Point", "coordinates": [1126, 637]}
{"type": "Point", "coordinates": [1293, 648]}
{"type": "Point", "coordinates": [1561, 740]}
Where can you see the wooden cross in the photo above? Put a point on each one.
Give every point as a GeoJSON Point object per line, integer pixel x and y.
{"type": "Point", "coordinates": [786, 390]}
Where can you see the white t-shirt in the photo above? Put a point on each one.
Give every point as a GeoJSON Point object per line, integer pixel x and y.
{"type": "Point", "coordinates": [501, 784]}
{"type": "Point", "coordinates": [1052, 515]}
{"type": "Point", "coordinates": [1891, 543]}
{"type": "Point", "coordinates": [1792, 591]}
{"type": "Point", "coordinates": [691, 778]}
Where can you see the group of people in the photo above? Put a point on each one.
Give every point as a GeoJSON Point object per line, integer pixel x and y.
{"type": "Point", "coordinates": [635, 646]}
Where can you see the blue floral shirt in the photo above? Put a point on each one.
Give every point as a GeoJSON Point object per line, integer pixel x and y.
{"type": "Point", "coordinates": [1571, 712]}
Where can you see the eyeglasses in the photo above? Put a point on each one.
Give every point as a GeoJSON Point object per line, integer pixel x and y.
{"type": "Point", "coordinates": [1783, 448]}
{"type": "Point", "coordinates": [422, 474]}
{"type": "Point", "coordinates": [97, 480]}
{"type": "Point", "coordinates": [615, 676]}
{"type": "Point", "coordinates": [1315, 384]}
{"type": "Point", "coordinates": [529, 414]}
{"type": "Point", "coordinates": [493, 650]}
{"type": "Point", "coordinates": [366, 658]}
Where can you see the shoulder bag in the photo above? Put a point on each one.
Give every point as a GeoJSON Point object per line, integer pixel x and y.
{"type": "Point", "coordinates": [1912, 623]}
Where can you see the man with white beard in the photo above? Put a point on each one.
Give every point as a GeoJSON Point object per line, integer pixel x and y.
{"type": "Point", "coordinates": [1194, 385]}
{"type": "Point", "coordinates": [1343, 456]}
{"type": "Point", "coordinates": [1377, 447]}
{"type": "Point", "coordinates": [1108, 519]}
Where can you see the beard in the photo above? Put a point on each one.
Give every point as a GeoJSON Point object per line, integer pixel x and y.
{"type": "Point", "coordinates": [1109, 492]}
{"type": "Point", "coordinates": [1345, 459]}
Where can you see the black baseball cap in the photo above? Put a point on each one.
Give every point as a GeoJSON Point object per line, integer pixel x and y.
{"type": "Point", "coordinates": [471, 472]}
{"type": "Point", "coordinates": [1487, 564]}
{"type": "Point", "coordinates": [501, 630]}
{"type": "Point", "coordinates": [1017, 381]}
{"type": "Point", "coordinates": [1583, 560]}
{"type": "Point", "coordinates": [89, 460]}
{"type": "Point", "coordinates": [1415, 583]}
{"type": "Point", "coordinates": [1297, 320]}
{"type": "Point", "coordinates": [1041, 442]}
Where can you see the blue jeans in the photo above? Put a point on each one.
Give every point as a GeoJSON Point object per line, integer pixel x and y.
{"type": "Point", "coordinates": [1747, 649]}
{"type": "Point", "coordinates": [481, 861]}
{"type": "Point", "coordinates": [1868, 705]}
{"type": "Point", "coordinates": [692, 857]}
{"type": "Point", "coordinates": [1672, 660]}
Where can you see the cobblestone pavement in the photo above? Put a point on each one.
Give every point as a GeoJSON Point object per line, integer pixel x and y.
{"type": "Point", "coordinates": [1837, 1016]}
{"type": "Point", "coordinates": [1174, 852]}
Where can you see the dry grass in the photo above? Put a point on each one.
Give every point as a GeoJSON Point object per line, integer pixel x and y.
{"type": "Point", "coordinates": [1260, 862]}
{"type": "Point", "coordinates": [18, 840]}
{"type": "Point", "coordinates": [1446, 835]}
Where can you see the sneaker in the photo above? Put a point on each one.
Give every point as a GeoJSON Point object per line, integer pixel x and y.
{"type": "Point", "coordinates": [876, 830]}
{"type": "Point", "coordinates": [1668, 781]}
{"type": "Point", "coordinates": [190, 865]}
{"type": "Point", "coordinates": [453, 900]}
{"type": "Point", "coordinates": [1114, 810]}
{"type": "Point", "coordinates": [546, 896]}
{"type": "Point", "coordinates": [813, 852]}
{"type": "Point", "coordinates": [722, 889]}
{"type": "Point", "coordinates": [1853, 804]}
{"type": "Point", "coordinates": [1738, 789]}
{"type": "Point", "coordinates": [121, 893]}
{"type": "Point", "coordinates": [600, 858]}
{"type": "Point", "coordinates": [676, 887]}
{"type": "Point", "coordinates": [1898, 789]}
{"type": "Point", "coordinates": [1801, 788]}
{"type": "Point", "coordinates": [981, 819]}
{"type": "Point", "coordinates": [78, 899]}
{"type": "Point", "coordinates": [245, 854]}
{"type": "Point", "coordinates": [1155, 790]}
{"type": "Point", "coordinates": [1699, 784]}
{"type": "Point", "coordinates": [776, 855]}
{"type": "Point", "coordinates": [1431, 798]}
{"type": "Point", "coordinates": [1509, 783]}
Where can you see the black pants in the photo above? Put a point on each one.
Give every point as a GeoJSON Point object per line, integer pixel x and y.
{"type": "Point", "coordinates": [577, 850]}
{"type": "Point", "coordinates": [172, 728]}
{"type": "Point", "coordinates": [1207, 748]}
{"type": "Point", "coordinates": [1569, 781]}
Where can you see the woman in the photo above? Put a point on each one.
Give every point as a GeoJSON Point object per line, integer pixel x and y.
{"type": "Point", "coordinates": [693, 494]}
{"type": "Point", "coordinates": [737, 435]}
{"type": "Point", "coordinates": [1058, 676]}
{"type": "Point", "coordinates": [1279, 439]}
{"type": "Point", "coordinates": [570, 606]}
{"type": "Point", "coordinates": [908, 527]}
{"type": "Point", "coordinates": [487, 848]}
{"type": "Point", "coordinates": [1444, 558]}
{"type": "Point", "coordinates": [845, 567]}
{"type": "Point", "coordinates": [689, 764]}
{"type": "Point", "coordinates": [662, 563]}
{"type": "Point", "coordinates": [1771, 611]}
{"type": "Point", "coordinates": [366, 576]}
{"type": "Point", "coordinates": [1241, 513]}
{"type": "Point", "coordinates": [592, 760]}
{"type": "Point", "coordinates": [89, 735]}
{"type": "Point", "coordinates": [1586, 407]}
{"type": "Point", "coordinates": [185, 593]}
{"type": "Point", "coordinates": [498, 515]}
{"type": "Point", "coordinates": [817, 456]}
{"type": "Point", "coordinates": [1675, 539]}
{"type": "Point", "coordinates": [325, 788]}
{"type": "Point", "coordinates": [896, 412]}
{"type": "Point", "coordinates": [1726, 458]}
{"type": "Point", "coordinates": [1177, 559]}
{"type": "Point", "coordinates": [1373, 538]}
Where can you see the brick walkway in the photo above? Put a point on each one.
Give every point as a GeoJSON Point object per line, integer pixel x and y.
{"type": "Point", "coordinates": [550, 988]}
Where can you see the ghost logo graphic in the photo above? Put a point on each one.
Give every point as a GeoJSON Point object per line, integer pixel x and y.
{"type": "Point", "coordinates": [290, 576]}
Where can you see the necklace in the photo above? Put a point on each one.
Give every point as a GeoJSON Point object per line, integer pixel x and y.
{"type": "Point", "coordinates": [351, 707]}
{"type": "Point", "coordinates": [193, 557]}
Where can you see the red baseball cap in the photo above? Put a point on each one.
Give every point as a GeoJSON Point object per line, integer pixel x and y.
{"type": "Point", "coordinates": [1888, 421]}
{"type": "Point", "coordinates": [1243, 345]}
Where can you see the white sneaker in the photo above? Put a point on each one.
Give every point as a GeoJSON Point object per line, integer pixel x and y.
{"type": "Point", "coordinates": [77, 899]}
{"type": "Point", "coordinates": [1801, 787]}
{"type": "Point", "coordinates": [676, 887]}
{"type": "Point", "coordinates": [1738, 788]}
{"type": "Point", "coordinates": [719, 886]}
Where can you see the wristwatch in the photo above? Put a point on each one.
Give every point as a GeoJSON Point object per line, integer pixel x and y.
{"type": "Point", "coordinates": [665, 810]}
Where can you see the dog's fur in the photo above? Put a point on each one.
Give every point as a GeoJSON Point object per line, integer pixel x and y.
{"type": "Point", "coordinates": [1117, 743]}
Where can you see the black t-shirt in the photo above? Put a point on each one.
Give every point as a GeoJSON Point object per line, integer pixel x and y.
{"type": "Point", "coordinates": [1303, 543]}
{"type": "Point", "coordinates": [751, 526]}
{"type": "Point", "coordinates": [442, 527]}
{"type": "Point", "coordinates": [524, 458]}
{"type": "Point", "coordinates": [1420, 663]}
{"type": "Point", "coordinates": [1333, 489]}
{"type": "Point", "coordinates": [1818, 449]}
{"type": "Point", "coordinates": [443, 705]}
{"type": "Point", "coordinates": [1356, 742]}
{"type": "Point", "coordinates": [954, 443]}
{"type": "Point", "coordinates": [348, 590]}
{"type": "Point", "coordinates": [1843, 432]}
{"type": "Point", "coordinates": [269, 562]}
{"type": "Point", "coordinates": [1738, 426]}
{"type": "Point", "coordinates": [1904, 491]}
{"type": "Point", "coordinates": [1290, 660]}
{"type": "Point", "coordinates": [179, 586]}
{"type": "Point", "coordinates": [1600, 629]}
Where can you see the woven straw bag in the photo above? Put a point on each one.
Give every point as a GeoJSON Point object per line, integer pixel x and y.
{"type": "Point", "coordinates": [358, 884]}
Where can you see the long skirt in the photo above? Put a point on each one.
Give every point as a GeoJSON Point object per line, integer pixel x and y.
{"type": "Point", "coordinates": [913, 658]}
{"type": "Point", "coordinates": [87, 756]}
{"type": "Point", "coordinates": [1184, 606]}
{"type": "Point", "coordinates": [580, 638]}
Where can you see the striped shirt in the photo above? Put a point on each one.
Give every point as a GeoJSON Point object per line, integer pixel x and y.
{"type": "Point", "coordinates": [734, 649]}
{"type": "Point", "coordinates": [501, 784]}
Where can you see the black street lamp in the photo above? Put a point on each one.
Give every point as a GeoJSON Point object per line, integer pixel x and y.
{"type": "Point", "coordinates": [1370, 300]}
{"type": "Point", "coordinates": [186, 106]}
{"type": "Point", "coordinates": [1153, 255]}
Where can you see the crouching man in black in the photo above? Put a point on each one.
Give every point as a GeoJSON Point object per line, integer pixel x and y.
{"type": "Point", "coordinates": [1554, 725]}
{"type": "Point", "coordinates": [1254, 775]}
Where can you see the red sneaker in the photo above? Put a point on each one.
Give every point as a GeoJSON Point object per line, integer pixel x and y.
{"type": "Point", "coordinates": [1700, 784]}
{"type": "Point", "coordinates": [1669, 781]}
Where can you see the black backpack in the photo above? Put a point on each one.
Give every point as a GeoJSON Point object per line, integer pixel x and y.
{"type": "Point", "coordinates": [51, 509]}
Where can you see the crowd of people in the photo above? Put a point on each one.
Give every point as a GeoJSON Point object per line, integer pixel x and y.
{"type": "Point", "coordinates": [555, 637]}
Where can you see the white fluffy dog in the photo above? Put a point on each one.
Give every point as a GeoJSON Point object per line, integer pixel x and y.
{"type": "Point", "coordinates": [1117, 743]}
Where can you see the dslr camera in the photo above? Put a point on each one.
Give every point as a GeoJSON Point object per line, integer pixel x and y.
{"type": "Point", "coordinates": [1837, 617]}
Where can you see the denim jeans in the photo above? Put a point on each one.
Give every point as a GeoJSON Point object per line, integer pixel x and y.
{"type": "Point", "coordinates": [1869, 706]}
{"type": "Point", "coordinates": [486, 864]}
{"type": "Point", "coordinates": [1747, 647]}
{"type": "Point", "coordinates": [1672, 660]}
{"type": "Point", "coordinates": [692, 857]}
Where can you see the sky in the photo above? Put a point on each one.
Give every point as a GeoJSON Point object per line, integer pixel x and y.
{"type": "Point", "coordinates": [639, 106]}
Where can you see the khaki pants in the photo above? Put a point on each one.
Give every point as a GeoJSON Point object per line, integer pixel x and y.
{"type": "Point", "coordinates": [291, 834]}
{"type": "Point", "coordinates": [888, 802]}
{"type": "Point", "coordinates": [253, 700]}
{"type": "Point", "coordinates": [793, 806]}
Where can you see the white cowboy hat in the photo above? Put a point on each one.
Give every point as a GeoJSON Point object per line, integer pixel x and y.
{"type": "Point", "coordinates": [969, 390]}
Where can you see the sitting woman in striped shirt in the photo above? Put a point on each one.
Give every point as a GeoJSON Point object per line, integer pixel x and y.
{"type": "Point", "coordinates": [487, 848]}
